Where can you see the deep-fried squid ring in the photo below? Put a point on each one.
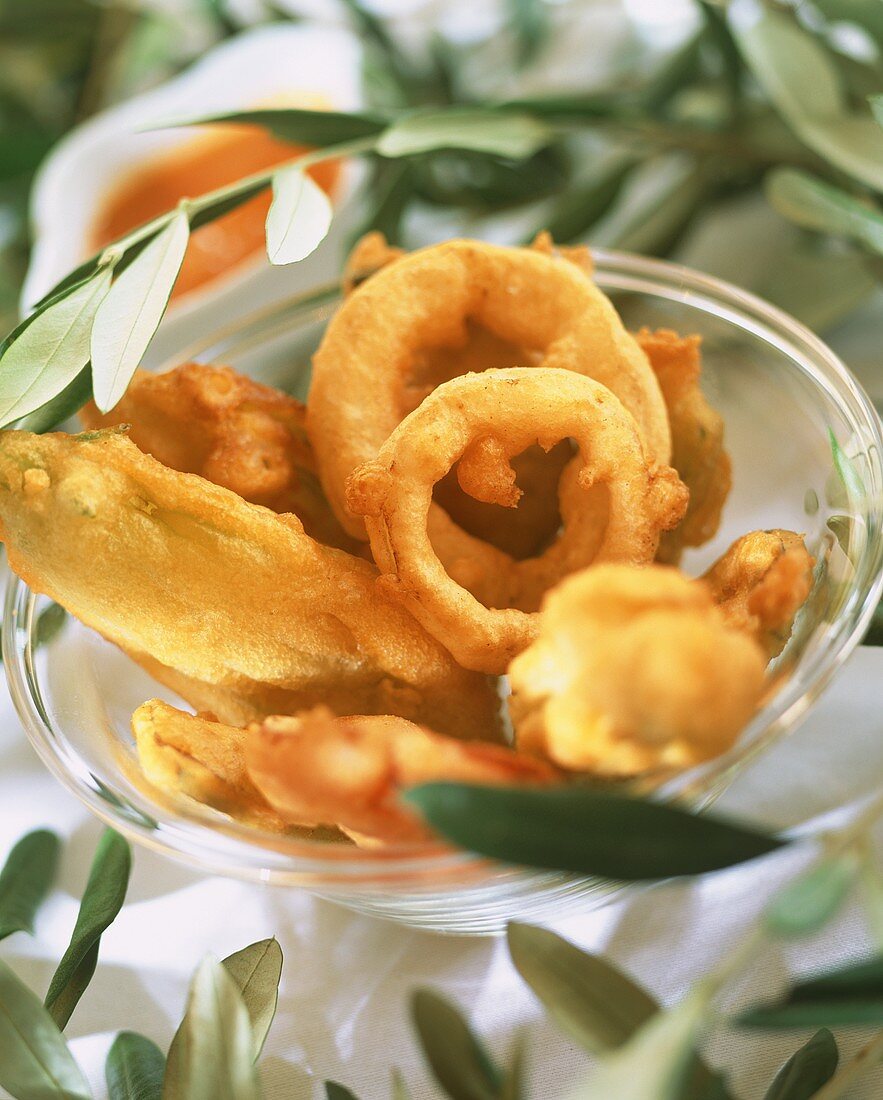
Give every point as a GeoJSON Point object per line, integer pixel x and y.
{"type": "Point", "coordinates": [533, 299]}
{"type": "Point", "coordinates": [487, 418]}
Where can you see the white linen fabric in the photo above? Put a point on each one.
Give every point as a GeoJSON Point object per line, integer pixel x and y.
{"type": "Point", "coordinates": [343, 1011]}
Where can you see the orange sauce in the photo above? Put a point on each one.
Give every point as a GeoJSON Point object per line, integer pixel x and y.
{"type": "Point", "coordinates": [202, 165]}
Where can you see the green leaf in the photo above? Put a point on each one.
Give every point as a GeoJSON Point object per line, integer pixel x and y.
{"type": "Point", "coordinates": [256, 969]}
{"type": "Point", "coordinates": [846, 470]}
{"type": "Point", "coordinates": [134, 1068]}
{"type": "Point", "coordinates": [132, 310]}
{"type": "Point", "coordinates": [35, 1063]}
{"type": "Point", "coordinates": [847, 995]}
{"type": "Point", "coordinates": [801, 79]}
{"type": "Point", "coordinates": [876, 102]}
{"type": "Point", "coordinates": [51, 350]}
{"type": "Point", "coordinates": [812, 899]}
{"type": "Point", "coordinates": [212, 1053]}
{"type": "Point", "coordinates": [872, 882]}
{"type": "Point", "coordinates": [597, 1005]}
{"type": "Point", "coordinates": [806, 1070]}
{"type": "Point", "coordinates": [299, 217]}
{"type": "Point", "coordinates": [456, 1056]}
{"type": "Point", "coordinates": [576, 210]}
{"type": "Point", "coordinates": [809, 202]}
{"type": "Point", "coordinates": [102, 900]}
{"type": "Point", "coordinates": [586, 831]}
{"type": "Point", "coordinates": [25, 880]}
{"type": "Point", "coordinates": [334, 1091]}
{"type": "Point", "coordinates": [500, 133]}
{"type": "Point", "coordinates": [71, 399]}
{"type": "Point", "coordinates": [529, 23]}
{"type": "Point", "coordinates": [49, 622]}
{"type": "Point", "coordinates": [656, 1062]}
{"type": "Point", "coordinates": [317, 129]}
{"type": "Point", "coordinates": [390, 189]}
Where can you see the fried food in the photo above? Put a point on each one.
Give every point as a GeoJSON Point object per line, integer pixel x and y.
{"type": "Point", "coordinates": [761, 583]}
{"type": "Point", "coordinates": [186, 573]}
{"type": "Point", "coordinates": [350, 771]}
{"type": "Point", "coordinates": [380, 354]}
{"type": "Point", "coordinates": [211, 421]}
{"type": "Point", "coordinates": [482, 419]}
{"type": "Point", "coordinates": [370, 253]}
{"type": "Point", "coordinates": [697, 436]}
{"type": "Point", "coordinates": [634, 670]}
{"type": "Point", "coordinates": [195, 756]}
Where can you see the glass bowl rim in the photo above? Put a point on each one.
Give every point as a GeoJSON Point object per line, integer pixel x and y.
{"type": "Point", "coordinates": [234, 849]}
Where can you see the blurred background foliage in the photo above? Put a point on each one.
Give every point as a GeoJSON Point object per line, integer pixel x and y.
{"type": "Point", "coordinates": [673, 135]}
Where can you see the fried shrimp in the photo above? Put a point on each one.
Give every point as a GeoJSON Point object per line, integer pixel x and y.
{"type": "Point", "coordinates": [634, 670]}
{"type": "Point", "coordinates": [187, 574]}
{"type": "Point", "coordinates": [349, 772]}
{"type": "Point", "coordinates": [761, 583]}
{"type": "Point", "coordinates": [482, 419]}
{"type": "Point", "coordinates": [250, 438]}
{"type": "Point", "coordinates": [697, 435]}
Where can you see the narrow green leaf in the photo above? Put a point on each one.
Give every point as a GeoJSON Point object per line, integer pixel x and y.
{"type": "Point", "coordinates": [846, 995]}
{"type": "Point", "coordinates": [800, 77]}
{"type": "Point", "coordinates": [577, 209]}
{"type": "Point", "coordinates": [456, 1056]}
{"type": "Point", "coordinates": [846, 470]}
{"type": "Point", "coordinates": [876, 102]}
{"type": "Point", "coordinates": [132, 310]}
{"type": "Point", "coordinates": [134, 1068]}
{"type": "Point", "coordinates": [51, 351]}
{"type": "Point", "coordinates": [530, 25]}
{"type": "Point", "coordinates": [597, 1005]}
{"type": "Point", "coordinates": [71, 399]}
{"type": "Point", "coordinates": [318, 129]}
{"type": "Point", "coordinates": [656, 1062]}
{"type": "Point", "coordinates": [25, 880]}
{"type": "Point", "coordinates": [586, 831]}
{"type": "Point", "coordinates": [806, 1070]}
{"type": "Point", "coordinates": [49, 622]}
{"type": "Point", "coordinates": [391, 187]}
{"type": "Point", "coordinates": [212, 1053]}
{"type": "Point", "coordinates": [500, 133]}
{"type": "Point", "coordinates": [872, 882]}
{"type": "Point", "coordinates": [35, 1063]}
{"type": "Point", "coordinates": [256, 969]}
{"type": "Point", "coordinates": [102, 900]}
{"type": "Point", "coordinates": [810, 202]}
{"type": "Point", "coordinates": [335, 1091]}
{"type": "Point", "coordinates": [299, 217]}
{"type": "Point", "coordinates": [811, 900]}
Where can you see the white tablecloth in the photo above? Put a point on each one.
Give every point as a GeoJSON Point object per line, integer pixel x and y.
{"type": "Point", "coordinates": [343, 1011]}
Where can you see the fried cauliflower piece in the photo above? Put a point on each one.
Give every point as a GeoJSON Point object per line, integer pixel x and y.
{"type": "Point", "coordinates": [697, 436]}
{"type": "Point", "coordinates": [231, 430]}
{"type": "Point", "coordinates": [761, 583]}
{"type": "Point", "coordinates": [349, 772]}
{"type": "Point", "coordinates": [185, 573]}
{"type": "Point", "coordinates": [635, 670]}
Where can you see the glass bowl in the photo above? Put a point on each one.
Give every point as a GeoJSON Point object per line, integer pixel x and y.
{"type": "Point", "coordinates": [790, 406]}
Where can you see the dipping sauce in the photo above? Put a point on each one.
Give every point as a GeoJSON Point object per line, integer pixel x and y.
{"type": "Point", "coordinates": [211, 161]}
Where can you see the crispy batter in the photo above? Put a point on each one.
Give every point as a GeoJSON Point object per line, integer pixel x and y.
{"type": "Point", "coordinates": [250, 438]}
{"type": "Point", "coordinates": [370, 253]}
{"type": "Point", "coordinates": [761, 583]}
{"type": "Point", "coordinates": [634, 670]}
{"type": "Point", "coordinates": [483, 610]}
{"type": "Point", "coordinates": [229, 594]}
{"type": "Point", "coordinates": [697, 436]}
{"type": "Point", "coordinates": [371, 368]}
{"type": "Point", "coordinates": [350, 771]}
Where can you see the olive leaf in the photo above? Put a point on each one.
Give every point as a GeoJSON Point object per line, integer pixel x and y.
{"type": "Point", "coordinates": [256, 969]}
{"type": "Point", "coordinates": [35, 1063]}
{"type": "Point", "coordinates": [801, 79]}
{"type": "Point", "coordinates": [65, 404]}
{"type": "Point", "coordinates": [457, 1057]}
{"type": "Point", "coordinates": [872, 882]}
{"type": "Point", "coordinates": [132, 310]}
{"type": "Point", "coordinates": [299, 216]}
{"type": "Point", "coordinates": [586, 831]}
{"type": "Point", "coordinates": [335, 1091]}
{"type": "Point", "coordinates": [49, 622]}
{"type": "Point", "coordinates": [212, 1053]}
{"type": "Point", "coordinates": [317, 129]}
{"type": "Point", "coordinates": [51, 350]}
{"type": "Point", "coordinates": [591, 1000]}
{"type": "Point", "coordinates": [806, 1070]}
{"type": "Point", "coordinates": [817, 205]}
{"type": "Point", "coordinates": [847, 995]}
{"type": "Point", "coordinates": [102, 900]}
{"type": "Point", "coordinates": [656, 1061]}
{"type": "Point", "coordinates": [876, 102]}
{"type": "Point", "coordinates": [500, 133]}
{"type": "Point", "coordinates": [846, 470]}
{"type": "Point", "coordinates": [809, 901]}
{"type": "Point", "coordinates": [579, 208]}
{"type": "Point", "coordinates": [25, 880]}
{"type": "Point", "coordinates": [134, 1068]}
